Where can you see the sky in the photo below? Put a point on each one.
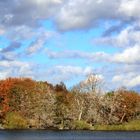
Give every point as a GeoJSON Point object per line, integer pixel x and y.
{"type": "Point", "coordinates": [66, 40]}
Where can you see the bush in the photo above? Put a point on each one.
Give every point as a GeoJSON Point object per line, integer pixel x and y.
{"type": "Point", "coordinates": [132, 125]}
{"type": "Point", "coordinates": [81, 125]}
{"type": "Point", "coordinates": [14, 120]}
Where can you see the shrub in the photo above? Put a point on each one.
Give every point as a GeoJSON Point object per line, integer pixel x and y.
{"type": "Point", "coordinates": [81, 125]}
{"type": "Point", "coordinates": [14, 120]}
{"type": "Point", "coordinates": [132, 125]}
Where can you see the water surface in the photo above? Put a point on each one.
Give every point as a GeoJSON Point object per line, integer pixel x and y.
{"type": "Point", "coordinates": [68, 135]}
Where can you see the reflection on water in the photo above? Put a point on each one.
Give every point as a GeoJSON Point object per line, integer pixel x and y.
{"type": "Point", "coordinates": [68, 135]}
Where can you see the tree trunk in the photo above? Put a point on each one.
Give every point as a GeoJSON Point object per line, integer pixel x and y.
{"type": "Point", "coordinates": [80, 115]}
{"type": "Point", "coordinates": [122, 117]}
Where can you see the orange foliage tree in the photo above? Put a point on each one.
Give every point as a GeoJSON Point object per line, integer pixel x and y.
{"type": "Point", "coordinates": [5, 86]}
{"type": "Point", "coordinates": [128, 102]}
{"type": "Point", "coordinates": [12, 92]}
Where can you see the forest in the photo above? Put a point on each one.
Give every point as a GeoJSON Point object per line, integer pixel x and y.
{"type": "Point", "coordinates": [30, 104]}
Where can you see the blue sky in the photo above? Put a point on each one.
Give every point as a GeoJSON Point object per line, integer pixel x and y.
{"type": "Point", "coordinates": [66, 40]}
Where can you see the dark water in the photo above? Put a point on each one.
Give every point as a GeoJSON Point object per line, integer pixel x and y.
{"type": "Point", "coordinates": [68, 135]}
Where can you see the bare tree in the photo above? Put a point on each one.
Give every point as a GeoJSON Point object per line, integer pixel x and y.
{"type": "Point", "coordinates": [92, 84]}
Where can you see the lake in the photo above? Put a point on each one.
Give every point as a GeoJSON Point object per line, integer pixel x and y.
{"type": "Point", "coordinates": [68, 135]}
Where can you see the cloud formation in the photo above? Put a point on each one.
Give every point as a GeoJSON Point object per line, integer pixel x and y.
{"type": "Point", "coordinates": [97, 56]}
{"type": "Point", "coordinates": [129, 56]}
{"type": "Point", "coordinates": [128, 37]}
{"type": "Point", "coordinates": [67, 15]}
{"type": "Point", "coordinates": [23, 34]}
{"type": "Point", "coordinates": [67, 73]}
{"type": "Point", "coordinates": [13, 46]}
{"type": "Point", "coordinates": [26, 12]}
{"type": "Point", "coordinates": [128, 80]}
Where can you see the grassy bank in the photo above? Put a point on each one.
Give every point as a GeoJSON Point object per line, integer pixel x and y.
{"type": "Point", "coordinates": [132, 125]}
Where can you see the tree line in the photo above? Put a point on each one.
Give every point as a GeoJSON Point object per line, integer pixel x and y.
{"type": "Point", "coordinates": [26, 103]}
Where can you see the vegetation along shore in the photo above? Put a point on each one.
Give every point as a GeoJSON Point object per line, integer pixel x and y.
{"type": "Point", "coordinates": [30, 104]}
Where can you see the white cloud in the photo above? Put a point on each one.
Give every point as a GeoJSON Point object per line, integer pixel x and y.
{"type": "Point", "coordinates": [66, 73]}
{"type": "Point", "coordinates": [129, 80]}
{"type": "Point", "coordinates": [126, 38]}
{"type": "Point", "coordinates": [4, 74]}
{"type": "Point", "coordinates": [46, 2]}
{"type": "Point", "coordinates": [35, 47]}
{"type": "Point", "coordinates": [128, 56]}
{"type": "Point", "coordinates": [74, 70]}
{"type": "Point", "coordinates": [2, 31]}
{"type": "Point", "coordinates": [117, 78]}
{"type": "Point", "coordinates": [92, 56]}
{"type": "Point", "coordinates": [130, 8]}
{"type": "Point", "coordinates": [26, 12]}
{"type": "Point", "coordinates": [38, 44]}
{"type": "Point", "coordinates": [134, 81]}
{"type": "Point", "coordinates": [78, 14]}
{"type": "Point", "coordinates": [67, 14]}
{"type": "Point", "coordinates": [17, 68]}
{"type": "Point", "coordinates": [21, 33]}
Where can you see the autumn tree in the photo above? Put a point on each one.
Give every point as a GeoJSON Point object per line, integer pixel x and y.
{"type": "Point", "coordinates": [128, 103]}
{"type": "Point", "coordinates": [119, 106]}
{"type": "Point", "coordinates": [21, 94]}
{"type": "Point", "coordinates": [86, 100]}
{"type": "Point", "coordinates": [41, 111]}
{"type": "Point", "coordinates": [35, 101]}
{"type": "Point", "coordinates": [5, 88]}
